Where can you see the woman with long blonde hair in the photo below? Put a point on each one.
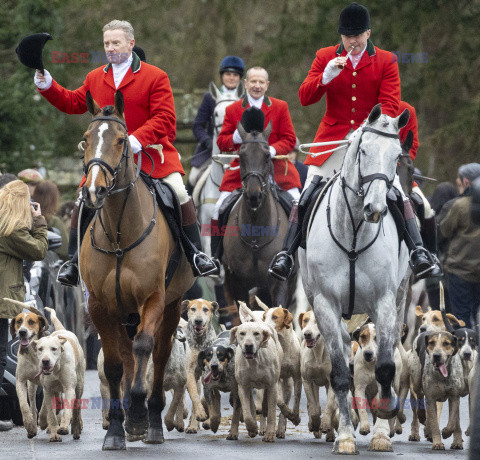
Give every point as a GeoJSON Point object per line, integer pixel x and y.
{"type": "Point", "coordinates": [23, 236]}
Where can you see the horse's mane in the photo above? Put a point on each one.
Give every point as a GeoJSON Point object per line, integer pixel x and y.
{"type": "Point", "coordinates": [108, 110]}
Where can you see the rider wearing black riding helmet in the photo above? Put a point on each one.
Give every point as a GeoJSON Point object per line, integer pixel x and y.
{"type": "Point", "coordinates": [231, 71]}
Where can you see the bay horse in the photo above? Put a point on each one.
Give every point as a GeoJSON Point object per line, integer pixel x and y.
{"type": "Point", "coordinates": [128, 225]}
{"type": "Point", "coordinates": [256, 228]}
{"type": "Point", "coordinates": [353, 232]}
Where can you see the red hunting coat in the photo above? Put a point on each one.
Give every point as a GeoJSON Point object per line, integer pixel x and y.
{"type": "Point", "coordinates": [411, 125]}
{"type": "Point", "coordinates": [282, 138]}
{"type": "Point", "coordinates": [149, 109]}
{"type": "Point", "coordinates": [352, 94]}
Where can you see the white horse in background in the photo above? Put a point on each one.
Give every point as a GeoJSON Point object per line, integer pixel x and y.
{"type": "Point", "coordinates": [353, 223]}
{"type": "Point", "coordinates": [206, 193]}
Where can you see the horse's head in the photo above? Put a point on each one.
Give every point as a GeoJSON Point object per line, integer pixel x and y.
{"type": "Point", "coordinates": [222, 101]}
{"type": "Point", "coordinates": [254, 155]}
{"type": "Point", "coordinates": [377, 154]}
{"type": "Point", "coordinates": [106, 147]}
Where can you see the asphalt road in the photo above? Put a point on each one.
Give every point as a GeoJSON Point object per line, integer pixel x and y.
{"type": "Point", "coordinates": [299, 443]}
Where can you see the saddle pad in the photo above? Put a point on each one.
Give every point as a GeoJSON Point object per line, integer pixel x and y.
{"type": "Point", "coordinates": [227, 207]}
{"type": "Point", "coordinates": [285, 200]}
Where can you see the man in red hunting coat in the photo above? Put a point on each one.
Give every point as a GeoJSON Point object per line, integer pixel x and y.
{"type": "Point", "coordinates": [281, 141]}
{"type": "Point", "coordinates": [355, 76]}
{"type": "Point", "coordinates": [150, 119]}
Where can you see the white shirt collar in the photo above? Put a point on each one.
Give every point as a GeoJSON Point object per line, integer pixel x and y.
{"type": "Point", "coordinates": [225, 90]}
{"type": "Point", "coordinates": [120, 70]}
{"type": "Point", "coordinates": [255, 102]}
{"type": "Point", "coordinates": [355, 59]}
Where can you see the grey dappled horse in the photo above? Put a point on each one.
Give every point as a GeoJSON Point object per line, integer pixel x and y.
{"type": "Point", "coordinates": [381, 271]}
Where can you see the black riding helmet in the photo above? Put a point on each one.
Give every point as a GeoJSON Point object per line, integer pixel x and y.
{"type": "Point", "coordinates": [29, 50]}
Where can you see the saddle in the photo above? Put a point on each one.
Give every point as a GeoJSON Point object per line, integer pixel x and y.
{"type": "Point", "coordinates": [167, 202]}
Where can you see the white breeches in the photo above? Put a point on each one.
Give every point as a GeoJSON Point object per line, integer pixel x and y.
{"type": "Point", "coordinates": [223, 196]}
{"type": "Point", "coordinates": [429, 212]}
{"type": "Point", "coordinates": [176, 182]}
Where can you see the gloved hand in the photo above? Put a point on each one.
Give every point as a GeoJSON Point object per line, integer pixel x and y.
{"type": "Point", "coordinates": [134, 144]}
{"type": "Point", "coordinates": [208, 143]}
{"type": "Point", "coordinates": [43, 81]}
{"type": "Point", "coordinates": [332, 70]}
{"type": "Point", "coordinates": [237, 139]}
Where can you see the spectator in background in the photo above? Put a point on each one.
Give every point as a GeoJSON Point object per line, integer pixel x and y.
{"type": "Point", "coordinates": [23, 235]}
{"type": "Point", "coordinates": [31, 177]}
{"type": "Point", "coordinates": [46, 193]}
{"type": "Point", "coordinates": [301, 168]}
{"type": "Point", "coordinates": [462, 262]}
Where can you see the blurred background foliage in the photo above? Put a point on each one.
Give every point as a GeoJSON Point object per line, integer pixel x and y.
{"type": "Point", "coordinates": [188, 38]}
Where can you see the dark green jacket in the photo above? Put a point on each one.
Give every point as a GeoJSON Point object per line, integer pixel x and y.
{"type": "Point", "coordinates": [56, 222]}
{"type": "Point", "coordinates": [21, 244]}
{"type": "Point", "coordinates": [463, 256]}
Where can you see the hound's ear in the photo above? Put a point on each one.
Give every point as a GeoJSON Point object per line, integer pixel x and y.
{"type": "Point", "coordinates": [92, 106]}
{"type": "Point", "coordinates": [34, 345]}
{"type": "Point", "coordinates": [454, 344]}
{"type": "Point", "coordinates": [240, 90]}
{"type": "Point", "coordinates": [200, 358]}
{"type": "Point", "coordinates": [241, 131]}
{"type": "Point", "coordinates": [404, 333]}
{"type": "Point", "coordinates": [266, 336]}
{"type": "Point", "coordinates": [426, 338]}
{"type": "Point", "coordinates": [288, 318]}
{"type": "Point", "coordinates": [356, 334]}
{"type": "Point", "coordinates": [418, 310]}
{"type": "Point", "coordinates": [375, 113]}
{"type": "Point", "coordinates": [244, 312]}
{"type": "Point", "coordinates": [214, 91]}
{"type": "Point", "coordinates": [230, 353]}
{"type": "Point", "coordinates": [233, 336]}
{"type": "Point", "coordinates": [119, 104]}
{"type": "Point", "coordinates": [402, 120]}
{"type": "Point", "coordinates": [185, 305]}
{"type": "Point", "coordinates": [215, 308]}
{"type": "Point", "coordinates": [12, 327]}
{"type": "Point", "coordinates": [180, 334]}
{"type": "Point", "coordinates": [43, 326]}
{"type": "Point", "coordinates": [62, 339]}
{"type": "Point", "coordinates": [300, 319]}
{"type": "Point", "coordinates": [455, 322]}
{"type": "Point", "coordinates": [268, 130]}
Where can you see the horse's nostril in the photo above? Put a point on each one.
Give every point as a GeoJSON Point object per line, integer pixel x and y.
{"type": "Point", "coordinates": [100, 192]}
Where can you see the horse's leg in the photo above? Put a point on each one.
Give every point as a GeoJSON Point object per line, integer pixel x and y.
{"type": "Point", "coordinates": [110, 334]}
{"type": "Point", "coordinates": [388, 335]}
{"type": "Point", "coordinates": [328, 320]}
{"type": "Point", "coordinates": [162, 323]}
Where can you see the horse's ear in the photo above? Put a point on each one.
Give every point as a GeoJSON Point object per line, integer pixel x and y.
{"type": "Point", "coordinates": [240, 89]}
{"type": "Point", "coordinates": [92, 106]}
{"type": "Point", "coordinates": [375, 113]}
{"type": "Point", "coordinates": [402, 120]}
{"type": "Point", "coordinates": [268, 130]}
{"type": "Point", "coordinates": [119, 103]}
{"type": "Point", "coordinates": [241, 131]}
{"type": "Point", "coordinates": [408, 142]}
{"type": "Point", "coordinates": [214, 91]}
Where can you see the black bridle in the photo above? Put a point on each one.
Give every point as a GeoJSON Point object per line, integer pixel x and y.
{"type": "Point", "coordinates": [112, 190]}
{"type": "Point", "coordinates": [262, 177]}
{"type": "Point", "coordinates": [353, 253]}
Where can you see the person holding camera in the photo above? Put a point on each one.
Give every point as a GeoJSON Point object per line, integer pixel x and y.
{"type": "Point", "coordinates": [23, 236]}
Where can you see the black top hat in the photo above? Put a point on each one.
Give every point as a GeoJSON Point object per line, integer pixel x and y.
{"type": "Point", "coordinates": [140, 53]}
{"type": "Point", "coordinates": [253, 119]}
{"type": "Point", "coordinates": [354, 20]}
{"type": "Point", "coordinates": [29, 50]}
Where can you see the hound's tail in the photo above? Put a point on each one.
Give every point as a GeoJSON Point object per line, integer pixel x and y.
{"type": "Point", "coordinates": [448, 325]}
{"type": "Point", "coordinates": [54, 320]}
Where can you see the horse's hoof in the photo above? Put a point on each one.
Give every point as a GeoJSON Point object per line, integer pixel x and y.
{"type": "Point", "coordinates": [62, 430]}
{"type": "Point", "coordinates": [364, 430]}
{"type": "Point", "coordinates": [387, 414]}
{"type": "Point", "coordinates": [280, 434]}
{"type": "Point", "coordinates": [317, 434]}
{"type": "Point", "coordinates": [345, 447]}
{"type": "Point", "coordinates": [232, 437]}
{"type": "Point", "coordinates": [114, 443]}
{"type": "Point", "coordinates": [134, 437]}
{"type": "Point", "coordinates": [458, 445]}
{"type": "Point", "coordinates": [314, 423]}
{"type": "Point", "coordinates": [31, 434]}
{"type": "Point", "coordinates": [401, 417]}
{"type": "Point", "coordinates": [422, 416]}
{"type": "Point", "coordinates": [154, 436]}
{"type": "Point", "coordinates": [380, 443]}
{"type": "Point", "coordinates": [330, 436]}
{"type": "Point", "coordinates": [438, 446]}
{"type": "Point", "coordinates": [190, 430]}
{"type": "Point", "coordinates": [446, 433]}
{"type": "Point", "coordinates": [56, 438]}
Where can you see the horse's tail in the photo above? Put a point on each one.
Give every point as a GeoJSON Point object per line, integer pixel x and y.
{"type": "Point", "coordinates": [446, 321]}
{"type": "Point", "coordinates": [199, 186]}
{"type": "Point", "coordinates": [54, 320]}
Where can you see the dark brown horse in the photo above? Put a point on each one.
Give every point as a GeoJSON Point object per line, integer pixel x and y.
{"type": "Point", "coordinates": [256, 228]}
{"type": "Point", "coordinates": [123, 263]}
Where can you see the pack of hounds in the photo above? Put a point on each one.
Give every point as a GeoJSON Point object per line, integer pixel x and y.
{"type": "Point", "coordinates": [264, 354]}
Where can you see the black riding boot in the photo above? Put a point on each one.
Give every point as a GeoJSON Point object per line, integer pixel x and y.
{"type": "Point", "coordinates": [421, 261]}
{"type": "Point", "coordinates": [68, 274]}
{"type": "Point", "coordinates": [429, 236]}
{"type": "Point", "coordinates": [216, 247]}
{"type": "Point", "coordinates": [283, 264]}
{"type": "Point", "coordinates": [201, 264]}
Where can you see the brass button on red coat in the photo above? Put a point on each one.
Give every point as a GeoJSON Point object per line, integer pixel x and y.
{"type": "Point", "coordinates": [354, 74]}
{"type": "Point", "coordinates": [354, 98]}
{"type": "Point", "coordinates": [352, 122]}
{"type": "Point", "coordinates": [353, 110]}
{"type": "Point", "coordinates": [354, 85]}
